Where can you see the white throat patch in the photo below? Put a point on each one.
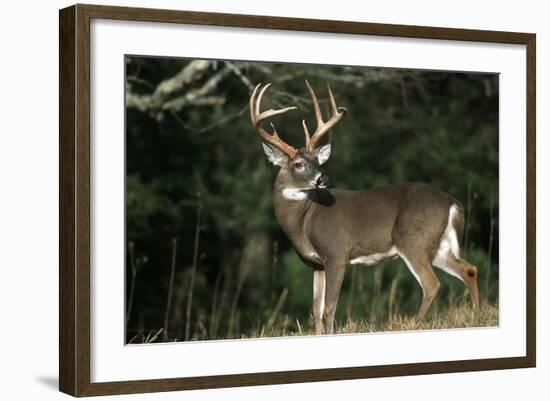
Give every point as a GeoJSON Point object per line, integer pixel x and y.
{"type": "Point", "coordinates": [294, 194]}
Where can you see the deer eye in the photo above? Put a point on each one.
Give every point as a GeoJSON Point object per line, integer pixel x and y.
{"type": "Point", "coordinates": [298, 165]}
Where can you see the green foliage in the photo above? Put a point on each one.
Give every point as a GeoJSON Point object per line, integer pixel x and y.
{"type": "Point", "coordinates": [402, 125]}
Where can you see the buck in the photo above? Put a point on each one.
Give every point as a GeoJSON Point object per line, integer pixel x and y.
{"type": "Point", "coordinates": [331, 229]}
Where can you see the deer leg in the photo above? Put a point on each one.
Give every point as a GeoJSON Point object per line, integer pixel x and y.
{"type": "Point", "coordinates": [422, 270]}
{"type": "Point", "coordinates": [334, 275]}
{"type": "Point", "coordinates": [462, 270]}
{"type": "Point", "coordinates": [318, 299]}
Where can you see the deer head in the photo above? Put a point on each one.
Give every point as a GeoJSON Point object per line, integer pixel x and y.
{"type": "Point", "coordinates": [300, 168]}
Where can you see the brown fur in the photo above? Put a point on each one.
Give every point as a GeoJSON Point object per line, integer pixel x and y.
{"type": "Point", "coordinates": [331, 227]}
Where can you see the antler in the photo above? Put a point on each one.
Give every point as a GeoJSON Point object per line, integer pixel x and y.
{"type": "Point", "coordinates": [338, 114]}
{"type": "Point", "coordinates": [257, 118]}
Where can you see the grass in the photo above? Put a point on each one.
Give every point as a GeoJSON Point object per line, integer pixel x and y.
{"type": "Point", "coordinates": [462, 316]}
{"type": "Point", "coordinates": [381, 299]}
{"type": "Point", "coordinates": [455, 317]}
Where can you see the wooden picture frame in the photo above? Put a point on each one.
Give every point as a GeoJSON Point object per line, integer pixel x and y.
{"type": "Point", "coordinates": [74, 204]}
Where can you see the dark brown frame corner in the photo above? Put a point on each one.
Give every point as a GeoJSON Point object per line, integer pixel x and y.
{"type": "Point", "coordinates": [74, 199]}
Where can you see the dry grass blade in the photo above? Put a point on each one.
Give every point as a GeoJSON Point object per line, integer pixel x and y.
{"type": "Point", "coordinates": [299, 327]}
{"type": "Point", "coordinates": [193, 268]}
{"type": "Point", "coordinates": [151, 338]}
{"type": "Point", "coordinates": [277, 309]}
{"type": "Point", "coordinates": [170, 287]}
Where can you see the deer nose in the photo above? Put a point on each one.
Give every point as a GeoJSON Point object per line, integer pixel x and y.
{"type": "Point", "coordinates": [323, 181]}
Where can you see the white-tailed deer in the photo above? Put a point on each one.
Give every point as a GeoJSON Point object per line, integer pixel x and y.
{"type": "Point", "coordinates": [333, 228]}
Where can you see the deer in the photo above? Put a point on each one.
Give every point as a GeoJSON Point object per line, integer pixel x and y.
{"type": "Point", "coordinates": [331, 229]}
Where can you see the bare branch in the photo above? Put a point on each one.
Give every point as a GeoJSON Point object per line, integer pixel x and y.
{"type": "Point", "coordinates": [163, 99]}
{"type": "Point", "coordinates": [212, 125]}
{"type": "Point", "coordinates": [191, 72]}
{"type": "Point", "coordinates": [184, 101]}
{"type": "Point", "coordinates": [237, 71]}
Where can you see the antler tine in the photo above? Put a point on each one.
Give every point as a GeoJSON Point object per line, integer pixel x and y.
{"type": "Point", "coordinates": [317, 110]}
{"type": "Point", "coordinates": [322, 127]}
{"type": "Point", "coordinates": [306, 133]}
{"type": "Point", "coordinates": [316, 107]}
{"type": "Point", "coordinates": [260, 96]}
{"type": "Point", "coordinates": [251, 104]}
{"type": "Point", "coordinates": [257, 117]}
{"type": "Point", "coordinates": [335, 109]}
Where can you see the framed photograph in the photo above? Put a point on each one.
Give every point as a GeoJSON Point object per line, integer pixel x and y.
{"type": "Point", "coordinates": [250, 200]}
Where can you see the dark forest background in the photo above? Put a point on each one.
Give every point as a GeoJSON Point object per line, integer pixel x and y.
{"type": "Point", "coordinates": [205, 256]}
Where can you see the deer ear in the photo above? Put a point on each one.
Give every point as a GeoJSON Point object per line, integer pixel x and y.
{"type": "Point", "coordinates": [274, 155]}
{"type": "Point", "coordinates": [322, 154]}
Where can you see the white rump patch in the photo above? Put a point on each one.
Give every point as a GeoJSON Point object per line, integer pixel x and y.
{"type": "Point", "coordinates": [449, 240]}
{"type": "Point", "coordinates": [374, 258]}
{"type": "Point", "coordinates": [448, 247]}
{"type": "Point", "coordinates": [294, 194]}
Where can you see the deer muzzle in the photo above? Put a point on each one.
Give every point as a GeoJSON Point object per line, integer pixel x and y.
{"type": "Point", "coordinates": [322, 181]}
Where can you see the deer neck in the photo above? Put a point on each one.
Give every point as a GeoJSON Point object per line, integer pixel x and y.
{"type": "Point", "coordinates": [292, 211]}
